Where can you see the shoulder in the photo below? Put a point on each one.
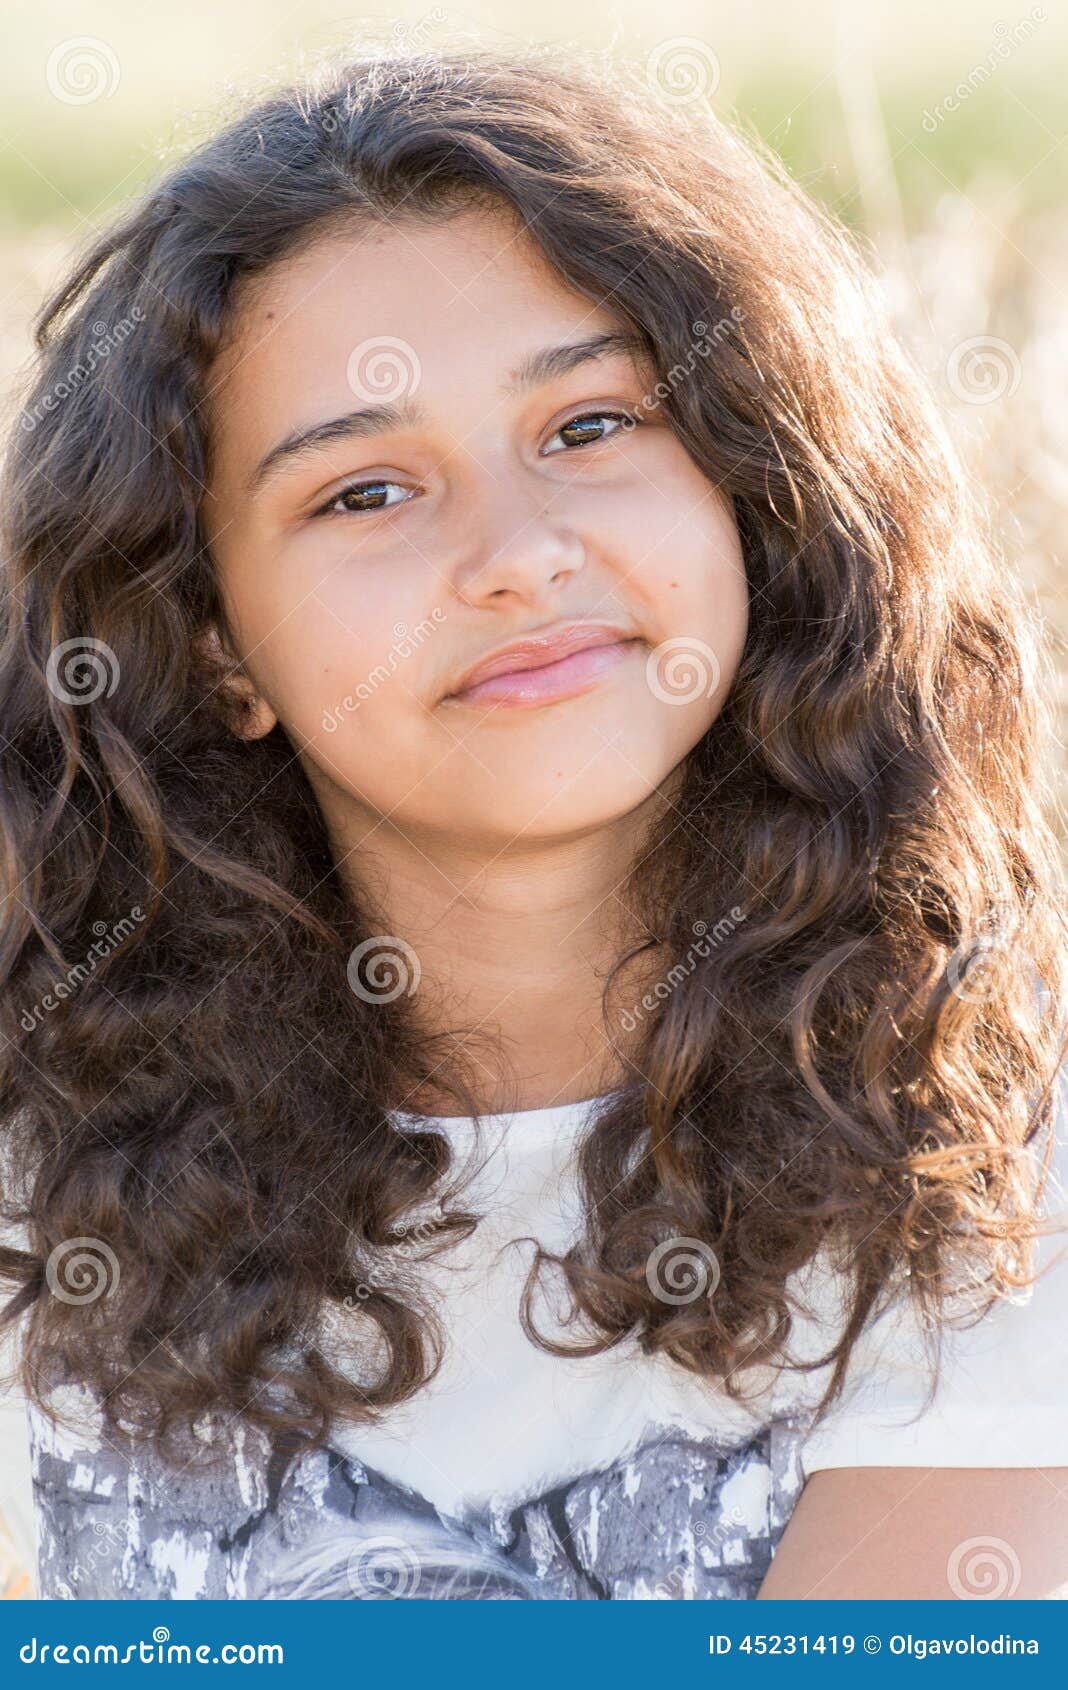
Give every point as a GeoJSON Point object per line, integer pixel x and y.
{"type": "Point", "coordinates": [947, 1485]}
{"type": "Point", "coordinates": [923, 1533]}
{"type": "Point", "coordinates": [976, 1392]}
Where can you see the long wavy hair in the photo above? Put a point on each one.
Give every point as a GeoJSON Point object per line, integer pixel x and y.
{"type": "Point", "coordinates": [198, 1110]}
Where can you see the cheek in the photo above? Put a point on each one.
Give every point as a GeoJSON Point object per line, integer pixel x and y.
{"type": "Point", "coordinates": [333, 630]}
{"type": "Point", "coordinates": [693, 585]}
{"type": "Point", "coordinates": [321, 665]}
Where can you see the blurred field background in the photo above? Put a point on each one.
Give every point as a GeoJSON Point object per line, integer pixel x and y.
{"type": "Point", "coordinates": [937, 132]}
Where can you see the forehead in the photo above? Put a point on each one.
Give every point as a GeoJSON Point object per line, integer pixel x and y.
{"type": "Point", "coordinates": [464, 294]}
{"type": "Point", "coordinates": [468, 274]}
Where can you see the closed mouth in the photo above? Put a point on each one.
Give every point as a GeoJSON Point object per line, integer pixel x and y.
{"type": "Point", "coordinates": [536, 678]}
{"type": "Point", "coordinates": [538, 651]}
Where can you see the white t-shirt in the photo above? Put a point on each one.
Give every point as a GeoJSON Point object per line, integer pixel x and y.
{"type": "Point", "coordinates": [518, 1473]}
{"type": "Point", "coordinates": [504, 1421]}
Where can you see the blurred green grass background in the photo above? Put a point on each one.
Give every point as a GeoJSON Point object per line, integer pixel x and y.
{"type": "Point", "coordinates": [782, 67]}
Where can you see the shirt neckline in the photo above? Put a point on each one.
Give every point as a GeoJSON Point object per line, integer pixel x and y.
{"type": "Point", "coordinates": [550, 1120]}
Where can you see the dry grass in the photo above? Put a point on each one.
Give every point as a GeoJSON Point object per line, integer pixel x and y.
{"type": "Point", "coordinates": [980, 298]}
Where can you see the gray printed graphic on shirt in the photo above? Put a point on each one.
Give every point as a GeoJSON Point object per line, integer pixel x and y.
{"type": "Point", "coordinates": [677, 1518]}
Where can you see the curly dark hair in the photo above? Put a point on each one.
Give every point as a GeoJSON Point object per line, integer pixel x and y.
{"type": "Point", "coordinates": [208, 1106]}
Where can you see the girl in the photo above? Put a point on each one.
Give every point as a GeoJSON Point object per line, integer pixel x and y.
{"type": "Point", "coordinates": [533, 969]}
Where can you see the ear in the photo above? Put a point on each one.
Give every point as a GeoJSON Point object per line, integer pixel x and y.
{"type": "Point", "coordinates": [253, 716]}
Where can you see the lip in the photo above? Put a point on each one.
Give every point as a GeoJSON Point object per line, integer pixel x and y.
{"type": "Point", "coordinates": [541, 668]}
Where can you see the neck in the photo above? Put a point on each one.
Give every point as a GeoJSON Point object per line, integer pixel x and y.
{"type": "Point", "coordinates": [514, 945]}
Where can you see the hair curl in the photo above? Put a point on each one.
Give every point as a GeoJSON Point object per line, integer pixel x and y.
{"type": "Point", "coordinates": [869, 799]}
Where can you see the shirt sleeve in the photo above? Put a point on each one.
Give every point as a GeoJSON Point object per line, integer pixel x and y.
{"type": "Point", "coordinates": [1002, 1391]}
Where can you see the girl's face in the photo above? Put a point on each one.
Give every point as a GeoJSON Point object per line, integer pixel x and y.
{"type": "Point", "coordinates": [467, 483]}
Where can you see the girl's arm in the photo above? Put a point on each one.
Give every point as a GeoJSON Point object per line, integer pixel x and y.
{"type": "Point", "coordinates": [928, 1533]}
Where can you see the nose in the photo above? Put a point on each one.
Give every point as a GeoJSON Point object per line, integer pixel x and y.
{"type": "Point", "coordinates": [525, 552]}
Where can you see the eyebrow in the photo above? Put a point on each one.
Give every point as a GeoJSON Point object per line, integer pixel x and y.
{"type": "Point", "coordinates": [547, 364]}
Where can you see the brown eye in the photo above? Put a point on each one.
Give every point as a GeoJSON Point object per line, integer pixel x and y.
{"type": "Point", "coordinates": [360, 497]}
{"type": "Point", "coordinates": [585, 429]}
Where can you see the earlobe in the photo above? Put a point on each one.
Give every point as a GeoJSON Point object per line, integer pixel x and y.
{"type": "Point", "coordinates": [257, 716]}
{"type": "Point", "coordinates": [254, 716]}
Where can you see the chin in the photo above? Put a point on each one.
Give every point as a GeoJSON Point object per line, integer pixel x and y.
{"type": "Point", "coordinates": [554, 807]}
